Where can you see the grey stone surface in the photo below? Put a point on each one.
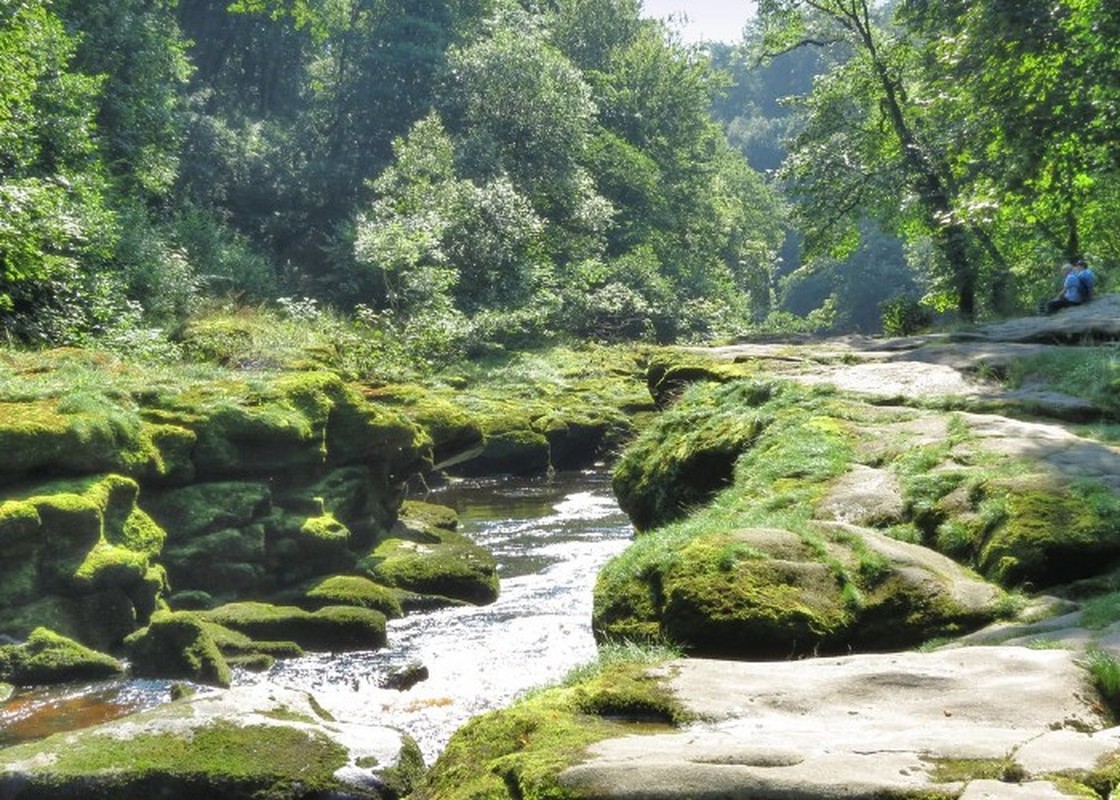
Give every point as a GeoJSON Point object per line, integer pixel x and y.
{"type": "Point", "coordinates": [864, 726]}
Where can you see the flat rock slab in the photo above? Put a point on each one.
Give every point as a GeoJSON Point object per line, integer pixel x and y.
{"type": "Point", "coordinates": [244, 768]}
{"type": "Point", "coordinates": [866, 726]}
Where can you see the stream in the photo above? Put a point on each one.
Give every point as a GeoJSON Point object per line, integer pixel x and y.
{"type": "Point", "coordinates": [550, 538]}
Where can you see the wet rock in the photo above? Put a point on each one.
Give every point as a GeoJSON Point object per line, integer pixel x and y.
{"type": "Point", "coordinates": [404, 678]}
{"type": "Point", "coordinates": [47, 657]}
{"type": "Point", "coordinates": [238, 744]}
{"type": "Point", "coordinates": [331, 628]}
{"type": "Point", "coordinates": [177, 646]}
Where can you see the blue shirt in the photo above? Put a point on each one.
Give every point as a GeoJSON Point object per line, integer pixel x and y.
{"type": "Point", "coordinates": [1071, 288]}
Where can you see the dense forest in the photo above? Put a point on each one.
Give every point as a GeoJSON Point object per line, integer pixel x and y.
{"type": "Point", "coordinates": [457, 173]}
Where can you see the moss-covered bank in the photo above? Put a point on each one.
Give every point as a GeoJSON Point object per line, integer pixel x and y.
{"type": "Point", "coordinates": [759, 542]}
{"type": "Point", "coordinates": [519, 752]}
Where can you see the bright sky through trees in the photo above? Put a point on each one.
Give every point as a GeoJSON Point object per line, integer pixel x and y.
{"type": "Point", "coordinates": [713, 20]}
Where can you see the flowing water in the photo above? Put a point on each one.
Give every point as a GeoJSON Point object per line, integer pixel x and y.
{"type": "Point", "coordinates": [549, 537]}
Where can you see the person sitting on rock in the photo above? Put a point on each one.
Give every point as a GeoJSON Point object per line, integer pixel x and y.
{"type": "Point", "coordinates": [1087, 277]}
{"type": "Point", "coordinates": [1071, 293]}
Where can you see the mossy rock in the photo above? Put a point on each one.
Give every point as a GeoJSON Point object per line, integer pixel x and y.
{"type": "Point", "coordinates": [19, 541]}
{"type": "Point", "coordinates": [521, 751]}
{"type": "Point", "coordinates": [331, 628]}
{"type": "Point", "coordinates": [771, 593]}
{"type": "Point", "coordinates": [302, 547]}
{"type": "Point", "coordinates": [1044, 532]}
{"type": "Point", "coordinates": [510, 451]}
{"type": "Point", "coordinates": [82, 554]}
{"type": "Point", "coordinates": [177, 645]}
{"type": "Point", "coordinates": [237, 646]}
{"type": "Point", "coordinates": [47, 657]}
{"type": "Point", "coordinates": [689, 453]}
{"type": "Point", "coordinates": [352, 495]}
{"type": "Point", "coordinates": [456, 435]}
{"type": "Point", "coordinates": [203, 508]}
{"type": "Point", "coordinates": [451, 567]}
{"type": "Point", "coordinates": [215, 341]}
{"type": "Point", "coordinates": [76, 435]}
{"type": "Point", "coordinates": [670, 374]}
{"type": "Point", "coordinates": [240, 744]}
{"type": "Point", "coordinates": [417, 513]}
{"type": "Point", "coordinates": [229, 561]}
{"type": "Point", "coordinates": [577, 441]}
{"type": "Point", "coordinates": [352, 590]}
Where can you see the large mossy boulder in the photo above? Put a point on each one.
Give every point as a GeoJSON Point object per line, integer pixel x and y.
{"type": "Point", "coordinates": [424, 557]}
{"type": "Point", "coordinates": [351, 590]}
{"type": "Point", "coordinates": [231, 539]}
{"type": "Point", "coordinates": [80, 558]}
{"type": "Point", "coordinates": [47, 657]}
{"type": "Point", "coordinates": [330, 628]}
{"type": "Point", "coordinates": [241, 744]}
{"type": "Point", "coordinates": [456, 434]}
{"type": "Point", "coordinates": [772, 593]}
{"type": "Point", "coordinates": [177, 645]}
{"type": "Point", "coordinates": [690, 453]}
{"type": "Point", "coordinates": [289, 423]}
{"type": "Point", "coordinates": [86, 434]}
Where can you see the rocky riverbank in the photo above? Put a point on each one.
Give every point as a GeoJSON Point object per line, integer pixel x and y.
{"type": "Point", "coordinates": [809, 512]}
{"type": "Point", "coordinates": [803, 507]}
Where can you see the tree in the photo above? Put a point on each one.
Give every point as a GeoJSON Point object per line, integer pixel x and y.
{"type": "Point", "coordinates": [137, 48]}
{"type": "Point", "coordinates": [52, 209]}
{"type": "Point", "coordinates": [867, 145]}
{"type": "Point", "coordinates": [1033, 86]}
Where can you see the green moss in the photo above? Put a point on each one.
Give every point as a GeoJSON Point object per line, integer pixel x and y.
{"type": "Point", "coordinates": [208, 507]}
{"type": "Point", "coordinates": [773, 606]}
{"type": "Point", "coordinates": [326, 529]}
{"type": "Point", "coordinates": [690, 452]}
{"type": "Point", "coordinates": [19, 540]}
{"type": "Point", "coordinates": [454, 432]}
{"type": "Point", "coordinates": [329, 628]}
{"type": "Point", "coordinates": [519, 752]}
{"type": "Point", "coordinates": [106, 565]}
{"type": "Point", "coordinates": [400, 779]}
{"type": "Point", "coordinates": [81, 432]}
{"type": "Point", "coordinates": [452, 567]}
{"type": "Point", "coordinates": [962, 770]}
{"type": "Point", "coordinates": [417, 512]}
{"type": "Point", "coordinates": [353, 590]}
{"type": "Point", "coordinates": [178, 645]}
{"type": "Point", "coordinates": [19, 522]}
{"type": "Point", "coordinates": [47, 657]}
{"type": "Point", "coordinates": [1049, 532]}
{"type": "Point", "coordinates": [222, 758]}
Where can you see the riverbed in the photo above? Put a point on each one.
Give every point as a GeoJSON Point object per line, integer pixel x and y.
{"type": "Point", "coordinates": [550, 538]}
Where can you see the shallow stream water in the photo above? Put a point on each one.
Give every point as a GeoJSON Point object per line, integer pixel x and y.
{"type": "Point", "coordinates": [550, 538]}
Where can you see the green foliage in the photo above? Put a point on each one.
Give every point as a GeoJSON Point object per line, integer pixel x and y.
{"type": "Point", "coordinates": [1092, 373]}
{"type": "Point", "coordinates": [1104, 669]}
{"type": "Point", "coordinates": [51, 186]}
{"type": "Point", "coordinates": [904, 315]}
